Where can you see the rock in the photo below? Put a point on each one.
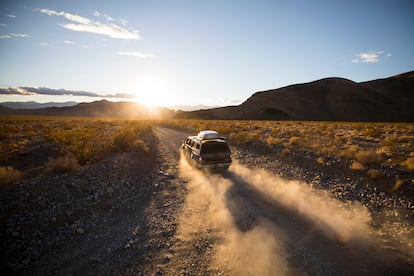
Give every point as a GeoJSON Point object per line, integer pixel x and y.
{"type": "Point", "coordinates": [80, 231]}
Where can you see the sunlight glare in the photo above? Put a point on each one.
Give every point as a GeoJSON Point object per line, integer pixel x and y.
{"type": "Point", "coordinates": [152, 91]}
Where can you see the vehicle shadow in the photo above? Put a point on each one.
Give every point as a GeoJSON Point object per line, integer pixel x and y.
{"type": "Point", "coordinates": [318, 248]}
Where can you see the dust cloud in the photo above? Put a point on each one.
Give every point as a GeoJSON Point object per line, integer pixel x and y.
{"type": "Point", "coordinates": [259, 222]}
{"type": "Point", "coordinates": [338, 220]}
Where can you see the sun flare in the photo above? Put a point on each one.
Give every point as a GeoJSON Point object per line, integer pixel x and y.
{"type": "Point", "coordinates": [152, 91]}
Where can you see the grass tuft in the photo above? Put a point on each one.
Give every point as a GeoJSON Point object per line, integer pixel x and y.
{"type": "Point", "coordinates": [358, 166]}
{"type": "Point", "coordinates": [374, 174]}
{"type": "Point", "coordinates": [63, 164]}
{"type": "Point", "coordinates": [409, 163]}
{"type": "Point", "coordinates": [367, 157]}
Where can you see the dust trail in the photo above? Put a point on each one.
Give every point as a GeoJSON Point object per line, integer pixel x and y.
{"type": "Point", "coordinates": [256, 252]}
{"type": "Point", "coordinates": [339, 220]}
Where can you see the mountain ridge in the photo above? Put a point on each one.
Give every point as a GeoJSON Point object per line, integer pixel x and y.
{"type": "Point", "coordinates": [327, 99]}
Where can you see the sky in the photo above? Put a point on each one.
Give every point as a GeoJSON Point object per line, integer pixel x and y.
{"type": "Point", "coordinates": [214, 53]}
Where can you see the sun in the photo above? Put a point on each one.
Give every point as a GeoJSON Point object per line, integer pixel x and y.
{"type": "Point", "coordinates": [152, 91]}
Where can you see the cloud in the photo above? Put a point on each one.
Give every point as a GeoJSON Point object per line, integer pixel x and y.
{"type": "Point", "coordinates": [11, 15]}
{"type": "Point", "coordinates": [68, 42]}
{"type": "Point", "coordinates": [82, 24]}
{"type": "Point", "coordinates": [98, 14]}
{"type": "Point", "coordinates": [124, 21]}
{"type": "Point", "coordinates": [12, 35]}
{"type": "Point", "coordinates": [370, 57]}
{"type": "Point", "coordinates": [58, 92]}
{"type": "Point", "coordinates": [136, 54]}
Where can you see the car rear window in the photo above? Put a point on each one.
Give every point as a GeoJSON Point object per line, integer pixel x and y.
{"type": "Point", "coordinates": [214, 147]}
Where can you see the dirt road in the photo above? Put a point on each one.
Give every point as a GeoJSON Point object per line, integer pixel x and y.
{"type": "Point", "coordinates": [251, 222]}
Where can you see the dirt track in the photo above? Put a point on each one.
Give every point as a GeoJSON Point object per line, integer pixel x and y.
{"type": "Point", "coordinates": [177, 220]}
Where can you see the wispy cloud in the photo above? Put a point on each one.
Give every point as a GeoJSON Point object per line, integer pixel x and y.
{"type": "Point", "coordinates": [68, 42]}
{"type": "Point", "coordinates": [99, 14]}
{"type": "Point", "coordinates": [136, 54]}
{"type": "Point", "coordinates": [10, 15]}
{"type": "Point", "coordinates": [82, 24]}
{"type": "Point", "coordinates": [124, 21]}
{"type": "Point", "coordinates": [370, 57]}
{"type": "Point", "coordinates": [58, 92]}
{"type": "Point", "coordinates": [13, 35]}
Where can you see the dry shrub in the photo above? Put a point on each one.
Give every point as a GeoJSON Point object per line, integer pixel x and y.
{"type": "Point", "coordinates": [385, 150]}
{"type": "Point", "coordinates": [321, 160]}
{"type": "Point", "coordinates": [409, 163]}
{"type": "Point", "coordinates": [371, 132]}
{"type": "Point", "coordinates": [369, 157]}
{"type": "Point", "coordinates": [374, 174]}
{"type": "Point", "coordinates": [9, 175]}
{"type": "Point", "coordinates": [140, 145]}
{"type": "Point", "coordinates": [397, 184]}
{"type": "Point", "coordinates": [322, 150]}
{"type": "Point", "coordinates": [389, 141]}
{"type": "Point", "coordinates": [357, 166]}
{"type": "Point", "coordinates": [63, 164]}
{"type": "Point", "coordinates": [273, 141]}
{"type": "Point", "coordinates": [238, 138]}
{"type": "Point", "coordinates": [295, 141]}
{"type": "Point", "coordinates": [286, 151]}
{"type": "Point", "coordinates": [350, 152]}
{"type": "Point", "coordinates": [124, 139]}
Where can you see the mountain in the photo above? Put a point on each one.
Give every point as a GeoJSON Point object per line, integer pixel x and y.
{"type": "Point", "coordinates": [330, 99]}
{"type": "Point", "coordinates": [35, 105]}
{"type": "Point", "coordinates": [102, 108]}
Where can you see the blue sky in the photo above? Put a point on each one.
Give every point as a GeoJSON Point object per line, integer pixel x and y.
{"type": "Point", "coordinates": [196, 52]}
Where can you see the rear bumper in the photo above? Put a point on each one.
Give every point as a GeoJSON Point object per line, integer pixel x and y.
{"type": "Point", "coordinates": [221, 165]}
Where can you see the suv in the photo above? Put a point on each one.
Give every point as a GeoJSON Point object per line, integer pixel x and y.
{"type": "Point", "coordinates": [207, 150]}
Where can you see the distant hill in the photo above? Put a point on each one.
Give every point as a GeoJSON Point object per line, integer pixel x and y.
{"type": "Point", "coordinates": [330, 99]}
{"type": "Point", "coordinates": [97, 109]}
{"type": "Point", "coordinates": [35, 105]}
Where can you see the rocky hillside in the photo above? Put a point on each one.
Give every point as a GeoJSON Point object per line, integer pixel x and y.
{"type": "Point", "coordinates": [330, 99]}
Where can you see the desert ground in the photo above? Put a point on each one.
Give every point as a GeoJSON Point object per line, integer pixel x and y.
{"type": "Point", "coordinates": [115, 197]}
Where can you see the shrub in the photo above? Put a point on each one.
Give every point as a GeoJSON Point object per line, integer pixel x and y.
{"type": "Point", "coordinates": [238, 138]}
{"type": "Point", "coordinates": [356, 166]}
{"type": "Point", "coordinates": [397, 184]}
{"type": "Point", "coordinates": [286, 151]}
{"type": "Point", "coordinates": [321, 160]}
{"type": "Point", "coordinates": [374, 174]}
{"type": "Point", "coordinates": [349, 152]}
{"type": "Point", "coordinates": [294, 140]}
{"type": "Point", "coordinates": [140, 146]}
{"type": "Point", "coordinates": [63, 164]}
{"type": "Point", "coordinates": [409, 163]}
{"type": "Point", "coordinates": [9, 175]}
{"type": "Point", "coordinates": [389, 141]}
{"type": "Point", "coordinates": [369, 157]}
{"type": "Point", "coordinates": [371, 132]}
{"type": "Point", "coordinates": [124, 139]}
{"type": "Point", "coordinates": [273, 141]}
